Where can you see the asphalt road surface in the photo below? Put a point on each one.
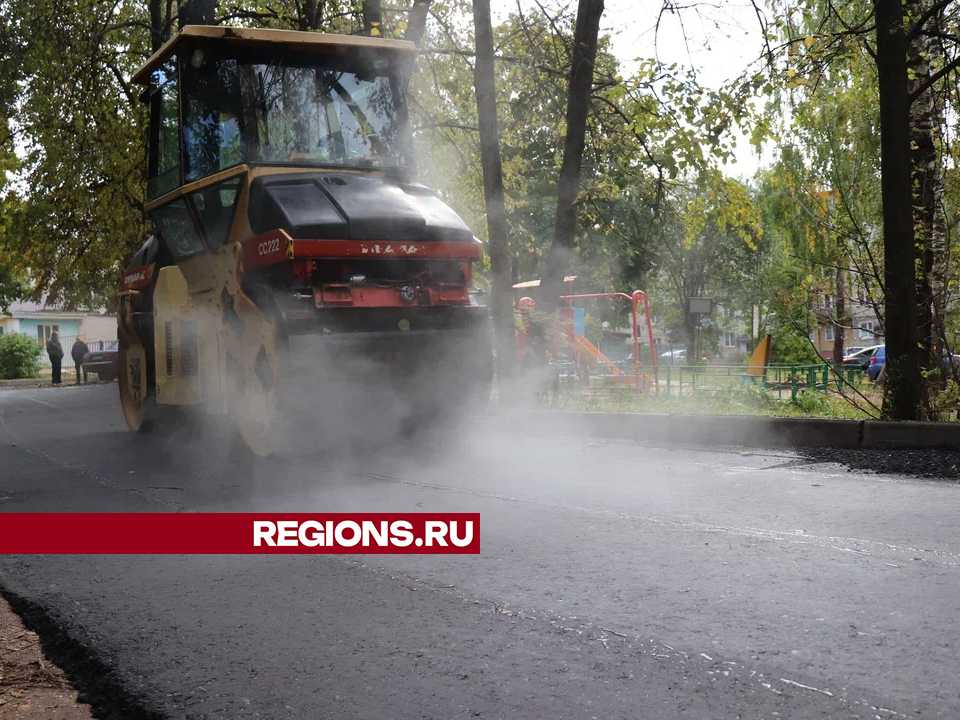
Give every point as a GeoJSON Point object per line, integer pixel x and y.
{"type": "Point", "coordinates": [616, 580]}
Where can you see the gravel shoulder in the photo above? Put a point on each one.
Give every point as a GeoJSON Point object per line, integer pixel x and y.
{"type": "Point", "coordinates": [925, 463]}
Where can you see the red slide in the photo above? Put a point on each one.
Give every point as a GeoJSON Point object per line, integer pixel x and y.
{"type": "Point", "coordinates": [591, 352]}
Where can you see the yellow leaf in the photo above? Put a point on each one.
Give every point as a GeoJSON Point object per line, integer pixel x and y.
{"type": "Point", "coordinates": [791, 72]}
{"type": "Point", "coordinates": [374, 31]}
{"type": "Point", "coordinates": [809, 40]}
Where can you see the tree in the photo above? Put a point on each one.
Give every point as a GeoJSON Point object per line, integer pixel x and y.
{"type": "Point", "coordinates": [904, 390]}
{"type": "Point", "coordinates": [372, 17]}
{"type": "Point", "coordinates": [709, 244]}
{"type": "Point", "coordinates": [638, 149]}
{"type": "Point", "coordinates": [568, 189]}
{"type": "Point", "coordinates": [842, 321]}
{"type": "Point", "coordinates": [13, 287]}
{"type": "Point", "coordinates": [499, 247]}
{"type": "Point", "coordinates": [76, 209]}
{"type": "Point", "coordinates": [196, 12]}
{"type": "Point", "coordinates": [927, 113]}
{"type": "Point", "coordinates": [907, 73]}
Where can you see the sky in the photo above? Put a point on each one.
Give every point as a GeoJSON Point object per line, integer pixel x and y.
{"type": "Point", "coordinates": [717, 38]}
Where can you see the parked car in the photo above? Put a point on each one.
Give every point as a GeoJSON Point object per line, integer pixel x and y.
{"type": "Point", "coordinates": [876, 362]}
{"type": "Point", "coordinates": [949, 360]}
{"type": "Point", "coordinates": [103, 363]}
{"type": "Point", "coordinates": [852, 351]}
{"type": "Point", "coordinates": [673, 357]}
{"type": "Point", "coordinates": [861, 358]}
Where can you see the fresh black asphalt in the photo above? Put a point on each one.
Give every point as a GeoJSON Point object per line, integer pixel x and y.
{"type": "Point", "coordinates": [616, 579]}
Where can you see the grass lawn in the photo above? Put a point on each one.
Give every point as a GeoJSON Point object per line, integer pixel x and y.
{"type": "Point", "coordinates": [726, 399]}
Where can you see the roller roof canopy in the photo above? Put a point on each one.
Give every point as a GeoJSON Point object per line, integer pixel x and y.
{"type": "Point", "coordinates": [289, 40]}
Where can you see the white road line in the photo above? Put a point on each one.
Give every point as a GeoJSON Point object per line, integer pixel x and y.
{"type": "Point", "coordinates": [42, 402]}
{"type": "Point", "coordinates": [806, 687]}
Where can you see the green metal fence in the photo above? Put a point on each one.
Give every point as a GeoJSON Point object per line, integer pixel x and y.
{"type": "Point", "coordinates": [784, 380]}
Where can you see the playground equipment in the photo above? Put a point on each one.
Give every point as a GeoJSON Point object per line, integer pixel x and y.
{"type": "Point", "coordinates": [590, 353]}
{"type": "Point", "coordinates": [759, 360]}
{"type": "Point", "coordinates": [587, 352]}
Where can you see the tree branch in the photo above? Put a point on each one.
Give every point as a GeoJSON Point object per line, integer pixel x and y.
{"type": "Point", "coordinates": [930, 81]}
{"type": "Point", "coordinates": [519, 61]}
{"type": "Point", "coordinates": [927, 14]}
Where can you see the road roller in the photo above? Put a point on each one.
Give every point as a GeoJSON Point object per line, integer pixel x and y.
{"type": "Point", "coordinates": [299, 280]}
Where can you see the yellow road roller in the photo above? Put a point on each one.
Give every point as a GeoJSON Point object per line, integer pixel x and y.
{"type": "Point", "coordinates": [299, 279]}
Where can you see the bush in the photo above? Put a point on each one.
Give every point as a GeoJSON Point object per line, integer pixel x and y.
{"type": "Point", "coordinates": [791, 348]}
{"type": "Point", "coordinates": [748, 397]}
{"type": "Point", "coordinates": [812, 402]}
{"type": "Point", "coordinates": [19, 356]}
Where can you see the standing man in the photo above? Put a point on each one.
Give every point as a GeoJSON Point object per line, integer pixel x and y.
{"type": "Point", "coordinates": [55, 353]}
{"type": "Point", "coordinates": [77, 352]}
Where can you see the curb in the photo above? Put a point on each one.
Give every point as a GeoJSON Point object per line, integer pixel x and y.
{"type": "Point", "coordinates": [45, 383]}
{"type": "Point", "coordinates": [745, 430]}
{"type": "Point", "coordinates": [894, 433]}
{"type": "Point", "coordinates": [29, 382]}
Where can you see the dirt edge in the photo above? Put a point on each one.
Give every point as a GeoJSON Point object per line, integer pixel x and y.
{"type": "Point", "coordinates": [98, 684]}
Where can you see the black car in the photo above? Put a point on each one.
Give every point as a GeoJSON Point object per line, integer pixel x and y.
{"type": "Point", "coordinates": [102, 362]}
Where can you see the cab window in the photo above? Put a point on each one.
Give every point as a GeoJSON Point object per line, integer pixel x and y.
{"type": "Point", "coordinates": [215, 207]}
{"type": "Point", "coordinates": [164, 174]}
{"type": "Point", "coordinates": [211, 123]}
{"type": "Point", "coordinates": [177, 230]}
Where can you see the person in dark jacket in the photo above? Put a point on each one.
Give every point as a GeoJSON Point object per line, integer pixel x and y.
{"type": "Point", "coordinates": [77, 352]}
{"type": "Point", "coordinates": [55, 353]}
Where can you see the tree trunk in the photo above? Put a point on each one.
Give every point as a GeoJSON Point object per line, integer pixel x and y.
{"type": "Point", "coordinates": [501, 300]}
{"type": "Point", "coordinates": [690, 323]}
{"type": "Point", "coordinates": [197, 12]}
{"type": "Point", "coordinates": [926, 118]}
{"type": "Point", "coordinates": [157, 25]}
{"type": "Point", "coordinates": [312, 15]}
{"type": "Point", "coordinates": [416, 27]}
{"type": "Point", "coordinates": [578, 105]}
{"type": "Point", "coordinates": [372, 18]}
{"type": "Point", "coordinates": [904, 383]}
{"type": "Point", "coordinates": [417, 22]}
{"type": "Point", "coordinates": [841, 316]}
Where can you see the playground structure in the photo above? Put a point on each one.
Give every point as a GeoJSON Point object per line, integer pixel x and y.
{"type": "Point", "coordinates": [564, 334]}
{"type": "Point", "coordinates": [567, 330]}
{"type": "Point", "coordinates": [759, 360]}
